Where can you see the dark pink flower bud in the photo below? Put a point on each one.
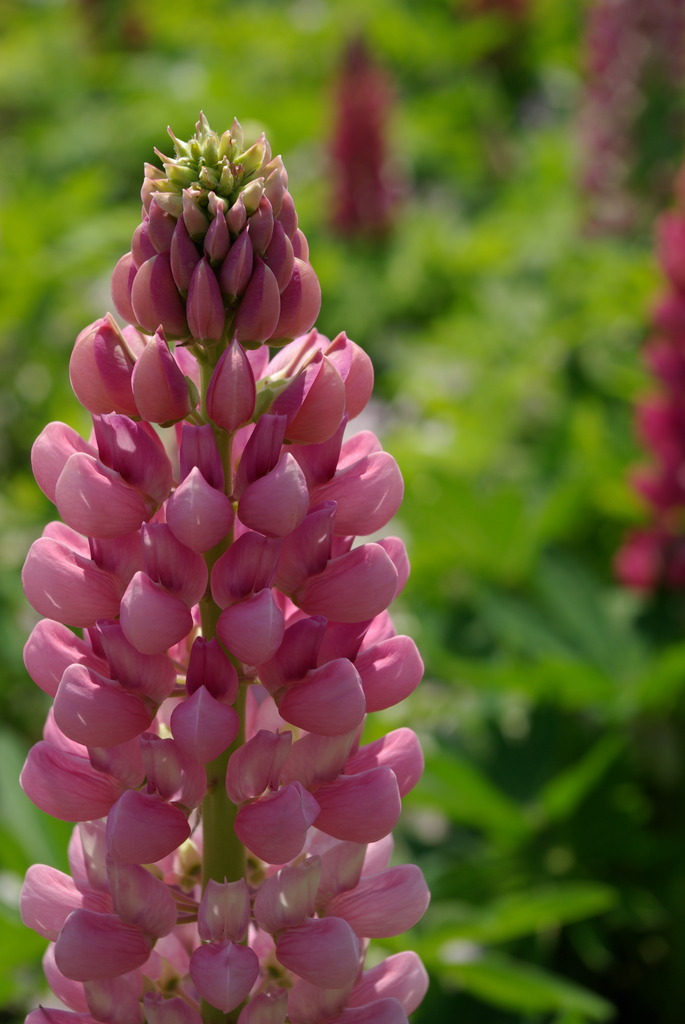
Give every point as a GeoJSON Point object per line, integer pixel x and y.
{"type": "Point", "coordinates": [260, 307]}
{"type": "Point", "coordinates": [236, 270]}
{"type": "Point", "coordinates": [236, 217]}
{"type": "Point", "coordinates": [279, 256]}
{"type": "Point", "coordinates": [323, 951]}
{"type": "Point", "coordinates": [252, 630]}
{"type": "Point", "coordinates": [94, 500]}
{"type": "Point", "coordinates": [231, 393]}
{"type": "Point", "coordinates": [160, 1010]}
{"type": "Point", "coordinates": [297, 654]}
{"type": "Point", "coordinates": [159, 387]}
{"type": "Point", "coordinates": [160, 226]}
{"type": "Point", "coordinates": [195, 219]}
{"type": "Point", "coordinates": [123, 277]}
{"type": "Point", "coordinates": [61, 584]}
{"type": "Point", "coordinates": [389, 672]}
{"type": "Point", "coordinates": [275, 827]}
{"type": "Point", "coordinates": [268, 1007]}
{"type": "Point", "coordinates": [314, 402]}
{"type": "Point", "coordinates": [300, 302]}
{"type": "Point", "coordinates": [359, 808]}
{"type": "Point", "coordinates": [141, 899]}
{"type": "Point", "coordinates": [156, 300]}
{"type": "Point", "coordinates": [359, 377]}
{"type": "Point", "coordinates": [100, 369]}
{"type": "Point", "coordinates": [198, 448]}
{"type": "Point", "coordinates": [260, 226]}
{"type": "Point", "coordinates": [203, 727]}
{"type": "Point", "coordinates": [286, 898]}
{"type": "Point", "coordinates": [262, 451]}
{"type": "Point", "coordinates": [385, 904]}
{"type": "Point", "coordinates": [169, 562]}
{"type": "Point", "coordinates": [150, 675]}
{"type": "Point", "coordinates": [287, 215]}
{"type": "Point", "coordinates": [224, 973]}
{"type": "Point", "coordinates": [671, 247]}
{"type": "Point", "coordinates": [276, 503]}
{"type": "Point", "coordinates": [93, 946]}
{"type": "Point", "coordinates": [256, 765]}
{"type": "Point", "coordinates": [50, 452]}
{"type": "Point", "coordinates": [208, 666]}
{"type": "Point", "coordinates": [184, 257]}
{"type": "Point", "coordinates": [224, 911]}
{"type": "Point", "coordinates": [328, 701]}
{"type": "Point", "coordinates": [65, 785]}
{"type": "Point", "coordinates": [199, 516]}
{"type": "Point", "coordinates": [136, 452]}
{"type": "Point", "coordinates": [142, 247]}
{"type": "Point", "coordinates": [205, 305]}
{"type": "Point", "coordinates": [275, 184]}
{"type": "Point", "coordinates": [171, 773]}
{"type": "Point", "coordinates": [306, 551]}
{"type": "Point", "coordinates": [246, 567]}
{"type": "Point", "coordinates": [96, 711]}
{"type": "Point", "coordinates": [153, 620]}
{"type": "Point", "coordinates": [50, 649]}
{"type": "Point", "coordinates": [402, 977]}
{"type": "Point", "coordinates": [352, 588]}
{"type": "Point", "coordinates": [217, 240]}
{"type": "Point", "coordinates": [48, 896]}
{"type": "Point", "coordinates": [143, 828]}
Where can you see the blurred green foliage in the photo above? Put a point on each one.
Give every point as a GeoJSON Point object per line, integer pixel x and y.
{"type": "Point", "coordinates": [506, 344]}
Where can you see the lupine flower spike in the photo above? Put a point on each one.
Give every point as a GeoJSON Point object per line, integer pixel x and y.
{"type": "Point", "coordinates": [214, 636]}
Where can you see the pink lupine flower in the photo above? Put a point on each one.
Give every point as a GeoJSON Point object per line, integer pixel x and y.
{"type": "Point", "coordinates": [232, 844]}
{"type": "Point", "coordinates": [654, 556]}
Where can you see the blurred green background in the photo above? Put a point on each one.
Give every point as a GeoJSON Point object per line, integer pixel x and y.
{"type": "Point", "coordinates": [506, 338]}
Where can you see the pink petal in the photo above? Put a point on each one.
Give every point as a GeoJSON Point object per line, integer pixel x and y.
{"type": "Point", "coordinates": [328, 701]}
{"type": "Point", "coordinates": [224, 911]}
{"type": "Point", "coordinates": [323, 951]}
{"type": "Point", "coordinates": [65, 785]}
{"type": "Point", "coordinates": [259, 307]}
{"type": "Point", "coordinates": [367, 494]}
{"type": "Point", "coordinates": [95, 500]}
{"type": "Point", "coordinates": [203, 727]}
{"type": "Point", "coordinates": [385, 904]}
{"type": "Point", "coordinates": [246, 567]}
{"type": "Point", "coordinates": [224, 973]}
{"type": "Point", "coordinates": [286, 898]}
{"type": "Point", "coordinates": [352, 588]}
{"type": "Point", "coordinates": [402, 977]}
{"type": "Point", "coordinates": [96, 711]}
{"type": "Point", "coordinates": [155, 298]}
{"type": "Point", "coordinates": [50, 649]}
{"type": "Point", "coordinates": [389, 671]}
{"type": "Point", "coordinates": [275, 827]}
{"type": "Point", "coordinates": [253, 629]}
{"type": "Point", "coordinates": [150, 675]}
{"type": "Point", "coordinates": [159, 387]}
{"type": "Point", "coordinates": [399, 750]}
{"type": "Point", "coordinates": [50, 452]}
{"type": "Point", "coordinates": [153, 620]}
{"type": "Point", "coordinates": [143, 828]}
{"type": "Point", "coordinates": [382, 1011]}
{"type": "Point", "coordinates": [231, 393]}
{"type": "Point", "coordinates": [65, 586]}
{"type": "Point", "coordinates": [276, 503]}
{"type": "Point", "coordinates": [197, 514]}
{"type": "Point", "coordinates": [256, 765]}
{"type": "Point", "coordinates": [48, 896]}
{"type": "Point", "coordinates": [93, 946]}
{"type": "Point", "coordinates": [141, 899]}
{"type": "Point", "coordinates": [359, 808]}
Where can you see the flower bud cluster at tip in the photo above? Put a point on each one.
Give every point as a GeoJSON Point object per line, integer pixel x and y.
{"type": "Point", "coordinates": [653, 556]}
{"type": "Point", "coordinates": [218, 253]}
{"type": "Point", "coordinates": [248, 501]}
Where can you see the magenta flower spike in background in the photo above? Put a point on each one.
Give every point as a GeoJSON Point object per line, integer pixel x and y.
{"type": "Point", "coordinates": [230, 858]}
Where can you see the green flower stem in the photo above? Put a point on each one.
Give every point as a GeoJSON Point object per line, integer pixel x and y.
{"type": "Point", "coordinates": [223, 855]}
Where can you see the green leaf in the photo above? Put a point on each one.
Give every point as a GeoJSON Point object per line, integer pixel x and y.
{"type": "Point", "coordinates": [461, 791]}
{"type": "Point", "coordinates": [563, 794]}
{"type": "Point", "coordinates": [513, 916]}
{"type": "Point", "coordinates": [517, 986]}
